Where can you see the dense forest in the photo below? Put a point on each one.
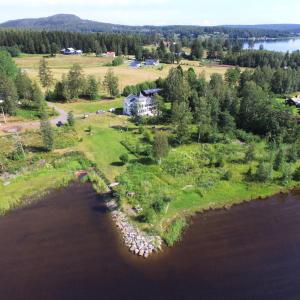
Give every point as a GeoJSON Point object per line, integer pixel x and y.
{"type": "Point", "coordinates": [43, 42]}
{"type": "Point", "coordinates": [255, 58]}
{"type": "Point", "coordinates": [72, 23]}
{"type": "Point", "coordinates": [243, 101]}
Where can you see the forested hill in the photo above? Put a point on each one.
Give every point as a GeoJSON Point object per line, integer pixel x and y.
{"type": "Point", "coordinates": [68, 22]}
{"type": "Point", "coordinates": [292, 28]}
{"type": "Point", "coordinates": [64, 22]}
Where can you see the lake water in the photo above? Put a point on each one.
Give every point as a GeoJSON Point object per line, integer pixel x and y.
{"type": "Point", "coordinates": [66, 247]}
{"type": "Point", "coordinates": [278, 45]}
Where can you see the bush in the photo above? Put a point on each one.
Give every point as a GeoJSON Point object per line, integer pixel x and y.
{"type": "Point", "coordinates": [264, 172]}
{"type": "Point", "coordinates": [148, 136]}
{"type": "Point", "coordinates": [124, 158]}
{"type": "Point", "coordinates": [117, 61]}
{"type": "Point", "coordinates": [174, 232]}
{"type": "Point", "coordinates": [227, 175]}
{"type": "Point", "coordinates": [246, 137]}
{"type": "Point", "coordinates": [296, 175]}
{"type": "Point", "coordinates": [286, 174]}
{"type": "Point", "coordinates": [220, 162]}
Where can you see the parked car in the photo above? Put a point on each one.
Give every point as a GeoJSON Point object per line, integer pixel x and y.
{"type": "Point", "coordinates": [112, 110]}
{"type": "Point", "coordinates": [59, 124]}
{"type": "Point", "coordinates": [85, 116]}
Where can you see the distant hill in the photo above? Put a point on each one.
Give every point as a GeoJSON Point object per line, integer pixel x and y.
{"type": "Point", "coordinates": [292, 28]}
{"type": "Point", "coordinates": [64, 22]}
{"type": "Point", "coordinates": [69, 22]}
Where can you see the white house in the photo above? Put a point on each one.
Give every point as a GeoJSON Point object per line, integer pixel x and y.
{"type": "Point", "coordinates": [70, 51]}
{"type": "Point", "coordinates": [141, 105]}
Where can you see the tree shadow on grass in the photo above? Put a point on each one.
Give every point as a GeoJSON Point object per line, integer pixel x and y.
{"type": "Point", "coordinates": [35, 149]}
{"type": "Point", "coordinates": [117, 164]}
{"type": "Point", "coordinates": [143, 160]}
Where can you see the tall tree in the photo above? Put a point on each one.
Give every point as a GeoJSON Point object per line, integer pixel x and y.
{"type": "Point", "coordinates": [76, 81]}
{"type": "Point", "coordinates": [181, 118]}
{"type": "Point", "coordinates": [111, 83]}
{"type": "Point", "coordinates": [23, 85]}
{"type": "Point", "coordinates": [92, 88]}
{"type": "Point", "coordinates": [38, 98]}
{"type": "Point", "coordinates": [45, 74]}
{"type": "Point", "coordinates": [8, 94]}
{"type": "Point", "coordinates": [160, 146]}
{"type": "Point", "coordinates": [47, 135]}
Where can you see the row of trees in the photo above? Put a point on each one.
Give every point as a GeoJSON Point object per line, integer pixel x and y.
{"type": "Point", "coordinates": [255, 58]}
{"type": "Point", "coordinates": [76, 85]}
{"type": "Point", "coordinates": [44, 42]}
{"type": "Point", "coordinates": [17, 88]}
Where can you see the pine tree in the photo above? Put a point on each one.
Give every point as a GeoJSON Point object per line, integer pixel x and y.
{"type": "Point", "coordinates": [38, 98]}
{"type": "Point", "coordinates": [47, 135]}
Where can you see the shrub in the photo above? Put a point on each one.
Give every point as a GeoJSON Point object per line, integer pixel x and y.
{"type": "Point", "coordinates": [174, 232]}
{"type": "Point", "coordinates": [279, 159]}
{"type": "Point", "coordinates": [124, 158]}
{"type": "Point", "coordinates": [148, 136]}
{"type": "Point", "coordinates": [296, 175]}
{"type": "Point", "coordinates": [250, 153]}
{"type": "Point", "coordinates": [286, 174]}
{"type": "Point", "coordinates": [220, 162]}
{"type": "Point", "coordinates": [264, 172]}
{"type": "Point", "coordinates": [227, 175]}
{"type": "Point", "coordinates": [117, 61]}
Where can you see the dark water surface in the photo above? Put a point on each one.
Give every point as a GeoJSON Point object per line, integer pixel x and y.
{"type": "Point", "coordinates": [66, 247]}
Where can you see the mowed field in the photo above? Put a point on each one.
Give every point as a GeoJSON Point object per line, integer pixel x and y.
{"type": "Point", "coordinates": [97, 66]}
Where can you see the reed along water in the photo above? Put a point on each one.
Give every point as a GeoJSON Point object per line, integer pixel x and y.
{"type": "Point", "coordinates": [67, 247]}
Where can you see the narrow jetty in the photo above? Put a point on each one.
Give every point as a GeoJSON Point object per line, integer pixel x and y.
{"type": "Point", "coordinates": [138, 242]}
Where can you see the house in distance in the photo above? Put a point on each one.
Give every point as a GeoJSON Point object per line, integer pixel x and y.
{"type": "Point", "coordinates": [110, 54]}
{"type": "Point", "coordinates": [151, 62]}
{"type": "Point", "coordinates": [70, 51]}
{"type": "Point", "coordinates": [141, 105]}
{"type": "Point", "coordinates": [293, 101]}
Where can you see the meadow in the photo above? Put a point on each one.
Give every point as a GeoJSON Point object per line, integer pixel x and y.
{"type": "Point", "coordinates": [97, 66]}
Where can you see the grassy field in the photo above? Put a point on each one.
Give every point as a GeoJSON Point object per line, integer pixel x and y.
{"type": "Point", "coordinates": [196, 185]}
{"type": "Point", "coordinates": [103, 145]}
{"type": "Point", "coordinates": [85, 106]}
{"type": "Point", "coordinates": [93, 65]}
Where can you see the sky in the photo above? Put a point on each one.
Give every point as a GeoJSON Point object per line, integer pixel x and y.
{"type": "Point", "coordinates": [159, 12]}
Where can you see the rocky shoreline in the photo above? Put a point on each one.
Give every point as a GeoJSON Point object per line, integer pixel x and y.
{"type": "Point", "coordinates": [138, 242]}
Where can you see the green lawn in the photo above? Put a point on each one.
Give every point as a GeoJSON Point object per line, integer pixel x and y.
{"type": "Point", "coordinates": [32, 185]}
{"type": "Point", "coordinates": [103, 144]}
{"type": "Point", "coordinates": [84, 106]}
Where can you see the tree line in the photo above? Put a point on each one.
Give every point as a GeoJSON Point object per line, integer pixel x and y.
{"type": "Point", "coordinates": [45, 42]}
{"type": "Point", "coordinates": [255, 58]}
